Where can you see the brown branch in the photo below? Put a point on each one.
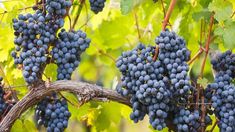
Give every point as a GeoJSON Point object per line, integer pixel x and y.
{"type": "Point", "coordinates": [86, 91]}
{"type": "Point", "coordinates": [207, 46]}
{"type": "Point", "coordinates": [168, 14]}
{"type": "Point", "coordinates": [203, 109]}
{"type": "Point", "coordinates": [78, 13]}
{"type": "Point", "coordinates": [200, 51]}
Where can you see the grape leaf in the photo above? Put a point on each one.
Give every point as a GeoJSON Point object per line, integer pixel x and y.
{"type": "Point", "coordinates": [204, 14]}
{"type": "Point", "coordinates": [222, 9]}
{"type": "Point", "coordinates": [227, 32]}
{"type": "Point", "coordinates": [126, 6]}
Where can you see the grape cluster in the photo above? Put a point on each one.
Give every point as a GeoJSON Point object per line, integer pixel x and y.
{"type": "Point", "coordinates": [224, 62]}
{"type": "Point", "coordinates": [222, 91]}
{"type": "Point", "coordinates": [57, 8]}
{"type": "Point", "coordinates": [157, 87]}
{"type": "Point", "coordinates": [144, 80]}
{"type": "Point", "coordinates": [174, 55]}
{"type": "Point", "coordinates": [3, 104]}
{"type": "Point", "coordinates": [188, 120]}
{"type": "Point", "coordinates": [53, 114]}
{"type": "Point", "coordinates": [97, 5]}
{"type": "Point", "coordinates": [33, 35]}
{"type": "Point", "coordinates": [67, 51]}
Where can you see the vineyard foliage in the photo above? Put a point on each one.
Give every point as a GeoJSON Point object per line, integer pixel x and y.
{"type": "Point", "coordinates": [119, 27]}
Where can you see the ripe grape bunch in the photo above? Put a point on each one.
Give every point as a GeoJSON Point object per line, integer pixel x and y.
{"type": "Point", "coordinates": [53, 113]}
{"type": "Point", "coordinates": [33, 35]}
{"type": "Point", "coordinates": [221, 92]}
{"type": "Point", "coordinates": [157, 88]}
{"type": "Point", "coordinates": [97, 5]}
{"type": "Point", "coordinates": [144, 81]}
{"type": "Point", "coordinates": [67, 51]}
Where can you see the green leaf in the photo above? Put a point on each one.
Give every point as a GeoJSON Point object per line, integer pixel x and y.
{"type": "Point", "coordinates": [18, 126]}
{"type": "Point", "coordinates": [203, 82]}
{"type": "Point", "coordinates": [223, 9]}
{"type": "Point", "coordinates": [50, 71]}
{"type": "Point", "coordinates": [204, 14]}
{"type": "Point", "coordinates": [227, 32]}
{"type": "Point", "coordinates": [204, 3]}
{"type": "Point", "coordinates": [30, 126]}
{"type": "Point", "coordinates": [126, 6]}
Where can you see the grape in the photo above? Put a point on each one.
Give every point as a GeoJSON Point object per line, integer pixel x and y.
{"type": "Point", "coordinates": [221, 91]}
{"type": "Point", "coordinates": [97, 5]}
{"type": "Point", "coordinates": [144, 81]}
{"type": "Point", "coordinates": [53, 113]}
{"type": "Point", "coordinates": [67, 52]}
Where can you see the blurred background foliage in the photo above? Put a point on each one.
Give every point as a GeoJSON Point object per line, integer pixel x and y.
{"type": "Point", "coordinates": [120, 27]}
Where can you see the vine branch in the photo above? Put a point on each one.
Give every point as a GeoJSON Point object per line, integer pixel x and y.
{"type": "Point", "coordinates": [207, 46]}
{"type": "Point", "coordinates": [86, 92]}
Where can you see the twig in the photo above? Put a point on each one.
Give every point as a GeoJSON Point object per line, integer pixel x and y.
{"type": "Point", "coordinates": [198, 96]}
{"type": "Point", "coordinates": [200, 51]}
{"type": "Point", "coordinates": [88, 19]}
{"type": "Point", "coordinates": [163, 8]}
{"type": "Point", "coordinates": [78, 13]}
{"type": "Point", "coordinates": [203, 109]}
{"type": "Point", "coordinates": [156, 53]}
{"type": "Point", "coordinates": [137, 25]}
{"type": "Point", "coordinates": [7, 95]}
{"type": "Point", "coordinates": [16, 9]}
{"type": "Point", "coordinates": [108, 55]}
{"type": "Point", "coordinates": [207, 46]}
{"type": "Point", "coordinates": [70, 23]}
{"type": "Point", "coordinates": [44, 6]}
{"type": "Point", "coordinates": [168, 14]}
{"type": "Point", "coordinates": [10, 87]}
{"type": "Point", "coordinates": [232, 14]}
{"type": "Point", "coordinates": [202, 22]}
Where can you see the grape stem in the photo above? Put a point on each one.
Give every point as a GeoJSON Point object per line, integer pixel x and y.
{"type": "Point", "coordinates": [156, 53]}
{"type": "Point", "coordinates": [166, 21]}
{"type": "Point", "coordinates": [207, 46]}
{"type": "Point", "coordinates": [137, 25]}
{"type": "Point", "coordinates": [82, 2]}
{"type": "Point", "coordinates": [168, 14]}
{"type": "Point", "coordinates": [163, 8]}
